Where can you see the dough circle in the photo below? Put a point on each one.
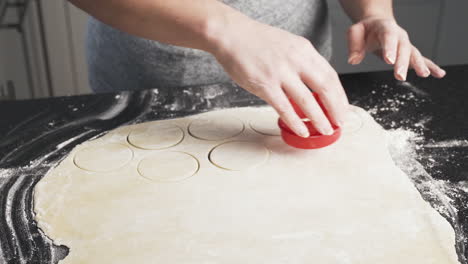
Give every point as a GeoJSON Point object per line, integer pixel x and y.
{"type": "Point", "coordinates": [239, 155]}
{"type": "Point", "coordinates": [353, 121]}
{"type": "Point", "coordinates": [168, 166]}
{"type": "Point", "coordinates": [266, 124]}
{"type": "Point", "coordinates": [155, 136]}
{"type": "Point", "coordinates": [103, 158]}
{"type": "Point", "coordinates": [216, 127]}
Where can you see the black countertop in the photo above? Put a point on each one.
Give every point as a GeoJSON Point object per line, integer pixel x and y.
{"type": "Point", "coordinates": [36, 134]}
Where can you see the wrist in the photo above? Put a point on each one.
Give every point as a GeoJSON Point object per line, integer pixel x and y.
{"type": "Point", "coordinates": [220, 31]}
{"type": "Point", "coordinates": [377, 15]}
{"type": "Point", "coordinates": [359, 10]}
{"type": "Point", "coordinates": [377, 12]}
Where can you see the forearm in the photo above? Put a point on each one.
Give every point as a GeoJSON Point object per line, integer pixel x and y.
{"type": "Point", "coordinates": [196, 24]}
{"type": "Point", "coordinates": [361, 9]}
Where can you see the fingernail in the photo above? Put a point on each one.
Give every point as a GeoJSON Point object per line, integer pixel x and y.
{"type": "Point", "coordinates": [390, 58]}
{"type": "Point", "coordinates": [427, 72]}
{"type": "Point", "coordinates": [326, 131]}
{"type": "Point", "coordinates": [353, 58]}
{"type": "Point", "coordinates": [442, 72]}
{"type": "Point", "coordinates": [401, 73]}
{"type": "Point", "coordinates": [303, 132]}
{"type": "Point", "coordinates": [340, 123]}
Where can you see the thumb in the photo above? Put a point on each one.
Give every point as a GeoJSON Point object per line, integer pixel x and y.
{"type": "Point", "coordinates": [356, 43]}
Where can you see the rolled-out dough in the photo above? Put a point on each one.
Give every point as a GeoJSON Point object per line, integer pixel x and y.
{"type": "Point", "coordinates": [253, 154]}
{"type": "Point", "coordinates": [155, 136]}
{"type": "Point", "coordinates": [352, 122]}
{"type": "Point", "coordinates": [215, 127]}
{"type": "Point", "coordinates": [102, 158]}
{"type": "Point", "coordinates": [266, 123]}
{"type": "Point", "coordinates": [344, 204]}
{"type": "Point", "coordinates": [161, 166]}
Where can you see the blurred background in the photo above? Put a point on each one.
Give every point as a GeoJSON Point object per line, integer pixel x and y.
{"type": "Point", "coordinates": [42, 50]}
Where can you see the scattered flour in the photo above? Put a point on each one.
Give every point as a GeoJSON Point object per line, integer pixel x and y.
{"type": "Point", "coordinates": [448, 144]}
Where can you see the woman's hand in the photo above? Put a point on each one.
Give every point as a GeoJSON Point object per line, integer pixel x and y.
{"type": "Point", "coordinates": [274, 65]}
{"type": "Point", "coordinates": [386, 37]}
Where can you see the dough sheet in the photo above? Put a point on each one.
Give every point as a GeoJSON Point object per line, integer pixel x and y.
{"type": "Point", "coordinates": [239, 196]}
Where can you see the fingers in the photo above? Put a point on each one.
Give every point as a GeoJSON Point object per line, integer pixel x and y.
{"type": "Point", "coordinates": [303, 97]}
{"type": "Point", "coordinates": [356, 43]}
{"type": "Point", "coordinates": [278, 100]}
{"type": "Point", "coordinates": [423, 66]}
{"type": "Point", "coordinates": [403, 58]}
{"type": "Point", "coordinates": [389, 44]}
{"type": "Point", "coordinates": [418, 63]}
{"type": "Point", "coordinates": [435, 70]}
{"type": "Point", "coordinates": [324, 80]}
{"type": "Point", "coordinates": [408, 55]}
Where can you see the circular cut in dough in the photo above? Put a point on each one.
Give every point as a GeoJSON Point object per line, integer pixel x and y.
{"type": "Point", "coordinates": [239, 155]}
{"type": "Point", "coordinates": [168, 166]}
{"type": "Point", "coordinates": [103, 158]}
{"type": "Point", "coordinates": [266, 123]}
{"type": "Point", "coordinates": [155, 136]}
{"type": "Point", "coordinates": [216, 127]}
{"type": "Point", "coordinates": [353, 121]}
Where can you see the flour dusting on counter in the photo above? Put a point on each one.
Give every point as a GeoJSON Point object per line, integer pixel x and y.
{"type": "Point", "coordinates": [448, 144]}
{"type": "Point", "coordinates": [412, 151]}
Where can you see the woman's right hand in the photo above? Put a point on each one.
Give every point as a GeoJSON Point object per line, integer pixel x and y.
{"type": "Point", "coordinates": [274, 65]}
{"type": "Point", "coordinates": [269, 62]}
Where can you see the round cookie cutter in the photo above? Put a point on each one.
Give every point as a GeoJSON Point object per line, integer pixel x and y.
{"type": "Point", "coordinates": [315, 140]}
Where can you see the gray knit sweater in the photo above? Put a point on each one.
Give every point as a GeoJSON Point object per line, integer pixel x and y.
{"type": "Point", "coordinates": [118, 61]}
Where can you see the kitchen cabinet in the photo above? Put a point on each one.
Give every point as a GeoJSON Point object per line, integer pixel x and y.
{"type": "Point", "coordinates": [45, 58]}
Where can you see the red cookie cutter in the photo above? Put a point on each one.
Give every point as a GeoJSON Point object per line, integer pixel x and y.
{"type": "Point", "coordinates": [315, 140]}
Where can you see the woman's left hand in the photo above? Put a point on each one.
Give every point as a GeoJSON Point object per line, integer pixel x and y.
{"type": "Point", "coordinates": [386, 37]}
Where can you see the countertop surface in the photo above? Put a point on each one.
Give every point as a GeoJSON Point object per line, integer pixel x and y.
{"type": "Point", "coordinates": [427, 119]}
